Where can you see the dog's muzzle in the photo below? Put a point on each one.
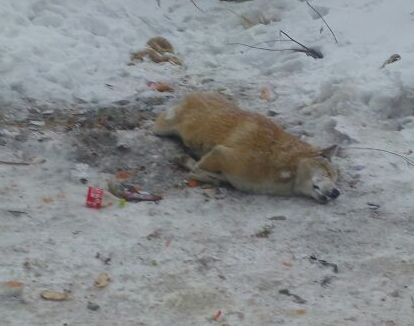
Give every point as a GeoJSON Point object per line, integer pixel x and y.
{"type": "Point", "coordinates": [323, 199]}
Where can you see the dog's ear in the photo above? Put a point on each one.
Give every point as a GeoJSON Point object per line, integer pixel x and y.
{"type": "Point", "coordinates": [330, 151]}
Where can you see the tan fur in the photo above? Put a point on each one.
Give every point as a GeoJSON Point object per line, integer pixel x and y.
{"type": "Point", "coordinates": [246, 149]}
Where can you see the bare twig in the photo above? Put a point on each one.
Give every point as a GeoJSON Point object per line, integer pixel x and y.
{"type": "Point", "coordinates": [312, 52]}
{"type": "Point", "coordinates": [260, 48]}
{"type": "Point", "coordinates": [317, 12]}
{"type": "Point", "coordinates": [406, 159]}
{"type": "Point", "coordinates": [14, 163]}
{"type": "Point", "coordinates": [193, 2]}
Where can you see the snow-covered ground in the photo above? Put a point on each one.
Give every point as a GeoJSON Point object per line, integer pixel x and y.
{"type": "Point", "coordinates": [195, 253]}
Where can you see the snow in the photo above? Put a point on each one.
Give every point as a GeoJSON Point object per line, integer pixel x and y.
{"type": "Point", "coordinates": [72, 57]}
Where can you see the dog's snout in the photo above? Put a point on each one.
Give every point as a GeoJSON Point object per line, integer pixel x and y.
{"type": "Point", "coordinates": [334, 193]}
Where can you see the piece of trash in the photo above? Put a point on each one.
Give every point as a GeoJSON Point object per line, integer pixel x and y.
{"type": "Point", "coordinates": [121, 202]}
{"type": "Point", "coordinates": [37, 160]}
{"type": "Point", "coordinates": [278, 218]}
{"type": "Point", "coordinates": [130, 192]}
{"type": "Point", "coordinates": [160, 87]}
{"type": "Point", "coordinates": [324, 263]}
{"type": "Point", "coordinates": [11, 289]}
{"type": "Point", "coordinates": [54, 295]}
{"type": "Point", "coordinates": [393, 58]}
{"type": "Point", "coordinates": [94, 197]}
{"type": "Point", "coordinates": [102, 280]}
{"type": "Point", "coordinates": [37, 123]}
{"type": "Point", "coordinates": [217, 315]}
{"type": "Point", "coordinates": [123, 175]}
{"type": "Point", "coordinates": [47, 200]}
{"type": "Point", "coordinates": [265, 232]}
{"type": "Point", "coordinates": [192, 183]}
{"type": "Point", "coordinates": [297, 298]}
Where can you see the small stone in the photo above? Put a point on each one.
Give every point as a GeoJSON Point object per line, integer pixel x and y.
{"type": "Point", "coordinates": [54, 295]}
{"type": "Point", "coordinates": [93, 306]}
{"type": "Point", "coordinates": [272, 113]}
{"type": "Point", "coordinates": [102, 281]}
{"type": "Point", "coordinates": [278, 218]}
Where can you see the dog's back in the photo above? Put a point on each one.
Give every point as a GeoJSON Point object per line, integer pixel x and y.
{"type": "Point", "coordinates": [204, 120]}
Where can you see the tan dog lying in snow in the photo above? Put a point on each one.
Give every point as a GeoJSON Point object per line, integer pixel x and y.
{"type": "Point", "coordinates": [248, 150]}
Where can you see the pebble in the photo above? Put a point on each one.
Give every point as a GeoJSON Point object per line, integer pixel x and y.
{"type": "Point", "coordinates": [93, 306]}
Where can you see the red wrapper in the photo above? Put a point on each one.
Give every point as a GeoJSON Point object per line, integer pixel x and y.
{"type": "Point", "coordinates": [94, 198]}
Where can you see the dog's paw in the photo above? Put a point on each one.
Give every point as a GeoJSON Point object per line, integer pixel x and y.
{"type": "Point", "coordinates": [185, 162]}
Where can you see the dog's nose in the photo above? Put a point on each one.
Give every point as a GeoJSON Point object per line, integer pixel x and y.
{"type": "Point", "coordinates": [334, 193]}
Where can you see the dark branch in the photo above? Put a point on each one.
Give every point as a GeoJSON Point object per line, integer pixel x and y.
{"type": "Point", "coordinates": [317, 12]}
{"type": "Point", "coordinates": [312, 52]}
{"type": "Point", "coordinates": [193, 2]}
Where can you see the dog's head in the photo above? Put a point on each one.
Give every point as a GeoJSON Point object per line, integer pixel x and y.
{"type": "Point", "coordinates": [316, 177]}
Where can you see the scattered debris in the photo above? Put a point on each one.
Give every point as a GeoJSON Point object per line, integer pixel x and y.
{"type": "Point", "coordinates": [266, 93]}
{"type": "Point", "coordinates": [192, 183]}
{"type": "Point", "coordinates": [373, 205]}
{"type": "Point", "coordinates": [102, 281]}
{"type": "Point", "coordinates": [278, 218]}
{"type": "Point", "coordinates": [324, 263]}
{"type": "Point", "coordinates": [37, 123]}
{"type": "Point", "coordinates": [160, 87]}
{"type": "Point", "coordinates": [217, 315]}
{"type": "Point", "coordinates": [154, 235]}
{"type": "Point", "coordinates": [54, 295]}
{"type": "Point", "coordinates": [327, 280]}
{"type": "Point", "coordinates": [123, 175]}
{"type": "Point", "coordinates": [265, 232]}
{"type": "Point", "coordinates": [130, 192]}
{"type": "Point", "coordinates": [13, 163]}
{"type": "Point", "coordinates": [297, 298]}
{"type": "Point", "coordinates": [393, 58]}
{"type": "Point", "coordinates": [105, 260]}
{"type": "Point", "coordinates": [16, 212]}
{"type": "Point", "coordinates": [93, 306]}
{"type": "Point", "coordinates": [159, 49]}
{"type": "Point", "coordinates": [94, 197]}
{"type": "Point", "coordinates": [12, 289]}
{"type": "Point", "coordinates": [300, 312]}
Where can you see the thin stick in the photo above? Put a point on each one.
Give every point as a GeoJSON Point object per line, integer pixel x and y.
{"type": "Point", "coordinates": [317, 12]}
{"type": "Point", "coordinates": [14, 163]}
{"type": "Point", "coordinates": [196, 6]}
{"type": "Point", "coordinates": [313, 53]}
{"type": "Point", "coordinates": [260, 48]}
{"type": "Point", "coordinates": [406, 159]}
{"type": "Point", "coordinates": [293, 40]}
{"type": "Point", "coordinates": [268, 41]}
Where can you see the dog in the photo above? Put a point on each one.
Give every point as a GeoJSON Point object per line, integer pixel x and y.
{"type": "Point", "coordinates": [248, 150]}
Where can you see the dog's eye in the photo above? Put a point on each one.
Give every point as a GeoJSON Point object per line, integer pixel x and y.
{"type": "Point", "coordinates": [315, 187]}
